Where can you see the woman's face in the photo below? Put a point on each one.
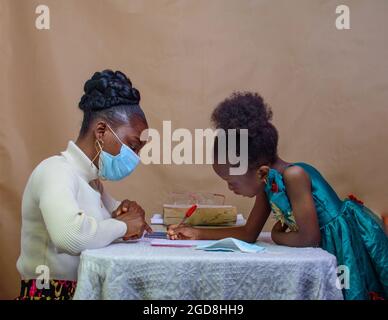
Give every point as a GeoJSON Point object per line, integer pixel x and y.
{"type": "Point", "coordinates": [247, 185]}
{"type": "Point", "coordinates": [129, 134]}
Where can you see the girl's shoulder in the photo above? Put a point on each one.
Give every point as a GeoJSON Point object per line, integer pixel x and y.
{"type": "Point", "coordinates": [300, 169]}
{"type": "Point", "coordinates": [293, 171]}
{"type": "Point", "coordinates": [317, 180]}
{"type": "Point", "coordinates": [303, 165]}
{"type": "Point", "coordinates": [293, 174]}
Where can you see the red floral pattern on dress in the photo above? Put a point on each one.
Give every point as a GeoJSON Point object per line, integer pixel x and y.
{"type": "Point", "coordinates": [375, 296]}
{"type": "Point", "coordinates": [353, 198]}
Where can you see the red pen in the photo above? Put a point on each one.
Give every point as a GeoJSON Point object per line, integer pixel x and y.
{"type": "Point", "coordinates": [188, 214]}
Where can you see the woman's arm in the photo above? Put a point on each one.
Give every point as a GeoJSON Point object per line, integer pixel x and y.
{"type": "Point", "coordinates": [110, 203]}
{"type": "Point", "coordinates": [298, 186]}
{"type": "Point", "coordinates": [249, 232]}
{"type": "Point", "coordinates": [70, 228]}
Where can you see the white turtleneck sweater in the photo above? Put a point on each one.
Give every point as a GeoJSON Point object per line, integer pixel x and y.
{"type": "Point", "coordinates": [64, 211]}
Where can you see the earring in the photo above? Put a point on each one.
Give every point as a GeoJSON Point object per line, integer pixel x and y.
{"type": "Point", "coordinates": [98, 145]}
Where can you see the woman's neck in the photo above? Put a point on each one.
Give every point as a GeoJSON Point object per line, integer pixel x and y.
{"type": "Point", "coordinates": [88, 148]}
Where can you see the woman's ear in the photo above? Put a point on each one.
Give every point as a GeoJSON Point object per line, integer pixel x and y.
{"type": "Point", "coordinates": [99, 130]}
{"type": "Point", "coordinates": [262, 173]}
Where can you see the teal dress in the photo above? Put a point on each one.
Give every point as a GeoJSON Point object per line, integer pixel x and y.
{"type": "Point", "coordinates": [349, 230]}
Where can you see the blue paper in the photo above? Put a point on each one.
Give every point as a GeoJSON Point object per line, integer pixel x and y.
{"type": "Point", "coordinates": [231, 245]}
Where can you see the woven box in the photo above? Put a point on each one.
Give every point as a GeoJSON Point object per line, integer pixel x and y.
{"type": "Point", "coordinates": [211, 215]}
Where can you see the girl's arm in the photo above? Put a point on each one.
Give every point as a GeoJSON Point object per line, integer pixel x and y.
{"type": "Point", "coordinates": [249, 232]}
{"type": "Point", "coordinates": [298, 187]}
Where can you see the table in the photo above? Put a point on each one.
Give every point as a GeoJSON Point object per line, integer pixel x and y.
{"type": "Point", "coordinates": [141, 271]}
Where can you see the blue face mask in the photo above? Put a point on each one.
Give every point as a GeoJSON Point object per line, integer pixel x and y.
{"type": "Point", "coordinates": [119, 166]}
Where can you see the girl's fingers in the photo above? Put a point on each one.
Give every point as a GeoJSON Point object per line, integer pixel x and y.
{"type": "Point", "coordinates": [170, 229]}
{"type": "Point", "coordinates": [172, 236]}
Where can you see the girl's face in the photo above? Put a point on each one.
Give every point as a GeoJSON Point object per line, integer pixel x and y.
{"type": "Point", "coordinates": [247, 185]}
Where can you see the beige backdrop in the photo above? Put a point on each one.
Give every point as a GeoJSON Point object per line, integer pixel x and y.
{"type": "Point", "coordinates": [328, 88]}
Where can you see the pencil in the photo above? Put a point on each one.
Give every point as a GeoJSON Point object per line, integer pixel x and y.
{"type": "Point", "coordinates": [188, 214]}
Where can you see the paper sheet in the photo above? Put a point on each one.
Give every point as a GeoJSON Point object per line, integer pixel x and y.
{"type": "Point", "coordinates": [179, 243]}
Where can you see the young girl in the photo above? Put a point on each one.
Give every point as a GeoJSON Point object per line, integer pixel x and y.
{"type": "Point", "coordinates": [308, 210]}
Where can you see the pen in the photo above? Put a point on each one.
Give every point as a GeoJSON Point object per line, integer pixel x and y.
{"type": "Point", "coordinates": [188, 214]}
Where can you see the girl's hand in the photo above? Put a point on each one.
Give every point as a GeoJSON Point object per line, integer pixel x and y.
{"type": "Point", "coordinates": [184, 232]}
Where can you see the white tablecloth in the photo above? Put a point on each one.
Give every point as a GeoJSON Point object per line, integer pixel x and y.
{"type": "Point", "coordinates": [141, 271]}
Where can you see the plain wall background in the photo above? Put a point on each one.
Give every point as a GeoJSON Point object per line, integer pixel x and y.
{"type": "Point", "coordinates": [327, 88]}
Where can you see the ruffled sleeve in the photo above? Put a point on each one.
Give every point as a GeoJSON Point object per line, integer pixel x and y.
{"type": "Point", "coordinates": [280, 204]}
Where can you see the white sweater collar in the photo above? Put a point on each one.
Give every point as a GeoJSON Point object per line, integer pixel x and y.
{"type": "Point", "coordinates": [81, 162]}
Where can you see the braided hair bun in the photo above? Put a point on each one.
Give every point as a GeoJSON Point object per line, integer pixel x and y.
{"type": "Point", "coordinates": [108, 89]}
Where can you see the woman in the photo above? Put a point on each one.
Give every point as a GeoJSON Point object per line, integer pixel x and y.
{"type": "Point", "coordinates": [65, 209]}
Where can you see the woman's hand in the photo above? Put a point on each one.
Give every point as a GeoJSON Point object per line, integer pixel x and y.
{"type": "Point", "coordinates": [183, 232]}
{"type": "Point", "coordinates": [127, 206]}
{"type": "Point", "coordinates": [133, 216]}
